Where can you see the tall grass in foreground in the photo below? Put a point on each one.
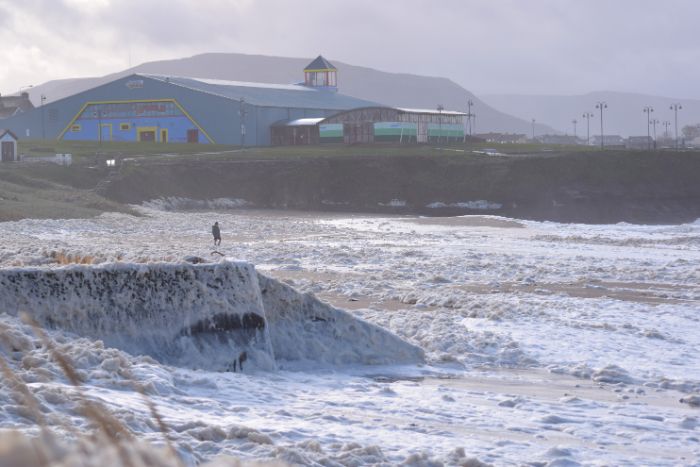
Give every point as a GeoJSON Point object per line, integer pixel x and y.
{"type": "Point", "coordinates": [112, 444]}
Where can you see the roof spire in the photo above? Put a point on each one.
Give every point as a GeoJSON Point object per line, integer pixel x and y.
{"type": "Point", "coordinates": [321, 74]}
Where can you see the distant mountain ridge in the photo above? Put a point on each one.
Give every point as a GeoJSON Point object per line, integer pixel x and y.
{"type": "Point", "coordinates": [392, 89]}
{"type": "Point", "coordinates": [624, 115]}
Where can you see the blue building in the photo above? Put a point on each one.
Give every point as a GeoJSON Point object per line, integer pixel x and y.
{"type": "Point", "coordinates": [156, 108]}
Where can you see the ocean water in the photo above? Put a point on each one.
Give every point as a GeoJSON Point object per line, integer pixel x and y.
{"type": "Point", "coordinates": [545, 343]}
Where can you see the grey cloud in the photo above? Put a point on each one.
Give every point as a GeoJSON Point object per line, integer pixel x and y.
{"type": "Point", "coordinates": [505, 46]}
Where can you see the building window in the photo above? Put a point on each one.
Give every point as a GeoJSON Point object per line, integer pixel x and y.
{"type": "Point", "coordinates": [124, 126]}
{"type": "Point", "coordinates": [75, 128]}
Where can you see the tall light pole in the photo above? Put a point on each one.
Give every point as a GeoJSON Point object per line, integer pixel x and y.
{"type": "Point", "coordinates": [99, 126]}
{"type": "Point", "coordinates": [242, 112]}
{"type": "Point", "coordinates": [470, 103]}
{"type": "Point", "coordinates": [574, 121]}
{"type": "Point", "coordinates": [533, 129]}
{"type": "Point", "coordinates": [587, 116]}
{"type": "Point", "coordinates": [666, 124]}
{"type": "Point", "coordinates": [654, 122]}
{"type": "Point", "coordinates": [97, 113]}
{"type": "Point", "coordinates": [43, 126]}
{"type": "Point", "coordinates": [440, 108]}
{"type": "Point", "coordinates": [601, 105]}
{"type": "Point", "coordinates": [648, 110]}
{"type": "Point", "coordinates": [676, 107]}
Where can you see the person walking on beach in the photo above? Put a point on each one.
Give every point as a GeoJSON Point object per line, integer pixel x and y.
{"type": "Point", "coordinates": [216, 232]}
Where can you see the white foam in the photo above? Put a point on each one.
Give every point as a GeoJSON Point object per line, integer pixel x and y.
{"type": "Point", "coordinates": [197, 315]}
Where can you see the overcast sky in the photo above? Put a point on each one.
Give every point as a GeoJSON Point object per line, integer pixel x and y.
{"type": "Point", "coordinates": [487, 46]}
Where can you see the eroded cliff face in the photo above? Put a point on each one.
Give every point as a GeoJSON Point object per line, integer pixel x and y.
{"type": "Point", "coordinates": [211, 316]}
{"type": "Point", "coordinates": [588, 187]}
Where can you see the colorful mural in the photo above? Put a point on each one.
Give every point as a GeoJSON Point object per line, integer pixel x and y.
{"type": "Point", "coordinates": [158, 121]}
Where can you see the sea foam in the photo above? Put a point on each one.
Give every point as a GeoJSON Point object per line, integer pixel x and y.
{"type": "Point", "coordinates": [211, 316]}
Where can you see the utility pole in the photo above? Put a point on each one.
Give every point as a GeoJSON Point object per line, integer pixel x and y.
{"type": "Point", "coordinates": [574, 121]}
{"type": "Point", "coordinates": [43, 125]}
{"type": "Point", "coordinates": [676, 107]}
{"type": "Point", "coordinates": [587, 116]}
{"type": "Point", "coordinates": [601, 105]}
{"type": "Point", "coordinates": [242, 113]}
{"type": "Point", "coordinates": [533, 130]}
{"type": "Point", "coordinates": [440, 108]}
{"type": "Point", "coordinates": [648, 110]}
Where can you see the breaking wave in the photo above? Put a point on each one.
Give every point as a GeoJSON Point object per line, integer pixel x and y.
{"type": "Point", "coordinates": [175, 203]}
{"type": "Point", "coordinates": [481, 204]}
{"type": "Point", "coordinates": [212, 316]}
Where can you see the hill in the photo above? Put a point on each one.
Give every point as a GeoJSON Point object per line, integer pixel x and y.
{"type": "Point", "coordinates": [624, 115]}
{"type": "Point", "coordinates": [393, 89]}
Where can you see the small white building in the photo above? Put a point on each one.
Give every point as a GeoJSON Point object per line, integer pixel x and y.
{"type": "Point", "coordinates": [8, 146]}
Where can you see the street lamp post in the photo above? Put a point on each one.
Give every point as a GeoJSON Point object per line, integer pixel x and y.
{"type": "Point", "coordinates": [601, 105]}
{"type": "Point", "coordinates": [470, 103]}
{"type": "Point", "coordinates": [587, 116]}
{"type": "Point", "coordinates": [43, 126]}
{"type": "Point", "coordinates": [440, 108]}
{"type": "Point", "coordinates": [654, 122]}
{"type": "Point", "coordinates": [97, 113]}
{"type": "Point", "coordinates": [676, 107]}
{"type": "Point", "coordinates": [648, 110]}
{"type": "Point", "coordinates": [242, 112]}
{"type": "Point", "coordinates": [574, 121]}
{"type": "Point", "coordinates": [666, 124]}
{"type": "Point", "coordinates": [533, 130]}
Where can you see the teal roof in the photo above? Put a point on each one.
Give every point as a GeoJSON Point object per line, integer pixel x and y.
{"type": "Point", "coordinates": [268, 95]}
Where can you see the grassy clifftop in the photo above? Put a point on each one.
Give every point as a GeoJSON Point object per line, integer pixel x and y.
{"type": "Point", "coordinates": [532, 182]}
{"type": "Point", "coordinates": [565, 186]}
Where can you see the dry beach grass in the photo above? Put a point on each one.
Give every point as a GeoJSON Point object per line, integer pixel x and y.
{"type": "Point", "coordinates": [110, 444]}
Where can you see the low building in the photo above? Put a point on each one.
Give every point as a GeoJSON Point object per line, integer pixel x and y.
{"type": "Point", "coordinates": [14, 105]}
{"type": "Point", "coordinates": [614, 141]}
{"type": "Point", "coordinates": [693, 143]}
{"type": "Point", "coordinates": [665, 142]}
{"type": "Point", "coordinates": [296, 132]}
{"type": "Point", "coordinates": [558, 139]}
{"type": "Point", "coordinates": [8, 146]}
{"type": "Point", "coordinates": [640, 142]}
{"type": "Point", "coordinates": [503, 138]}
{"type": "Point", "coordinates": [374, 125]}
